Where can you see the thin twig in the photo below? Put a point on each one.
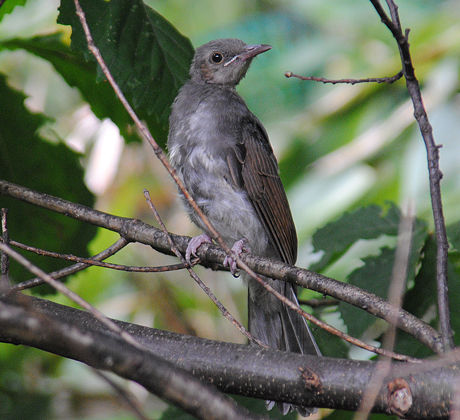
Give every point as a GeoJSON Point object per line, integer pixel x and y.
{"type": "Point", "coordinates": [395, 294]}
{"type": "Point", "coordinates": [329, 328]}
{"type": "Point", "coordinates": [195, 277]}
{"type": "Point", "coordinates": [434, 172]}
{"type": "Point", "coordinates": [391, 79]}
{"type": "Point", "coordinates": [95, 262]}
{"type": "Point", "coordinates": [64, 272]}
{"type": "Point", "coordinates": [4, 260]}
{"type": "Point", "coordinates": [135, 230]}
{"type": "Point", "coordinates": [71, 295]}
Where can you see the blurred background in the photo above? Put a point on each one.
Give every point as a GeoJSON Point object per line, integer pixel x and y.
{"type": "Point", "coordinates": [339, 147]}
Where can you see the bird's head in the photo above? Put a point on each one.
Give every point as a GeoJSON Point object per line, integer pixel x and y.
{"type": "Point", "coordinates": [224, 61]}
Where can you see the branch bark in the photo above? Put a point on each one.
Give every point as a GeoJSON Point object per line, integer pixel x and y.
{"type": "Point", "coordinates": [213, 257]}
{"type": "Point", "coordinates": [233, 368]}
{"type": "Point", "coordinates": [22, 321]}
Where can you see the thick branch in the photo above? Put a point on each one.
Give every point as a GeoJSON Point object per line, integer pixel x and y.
{"type": "Point", "coordinates": [234, 368]}
{"type": "Point", "coordinates": [212, 256]}
{"type": "Point", "coordinates": [23, 322]}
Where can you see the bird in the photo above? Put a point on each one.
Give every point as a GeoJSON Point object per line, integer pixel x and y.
{"type": "Point", "coordinates": [221, 152]}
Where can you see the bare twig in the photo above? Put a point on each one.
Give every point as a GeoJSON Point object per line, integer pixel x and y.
{"type": "Point", "coordinates": [329, 328]}
{"type": "Point", "coordinates": [210, 255]}
{"type": "Point", "coordinates": [176, 390]}
{"type": "Point", "coordinates": [195, 277]}
{"type": "Point", "coordinates": [144, 131]}
{"type": "Point", "coordinates": [435, 174]}
{"type": "Point", "coordinates": [391, 79]}
{"type": "Point", "coordinates": [395, 294]}
{"type": "Point", "coordinates": [4, 260]}
{"type": "Point", "coordinates": [70, 294]}
{"type": "Point", "coordinates": [96, 262]}
{"type": "Point", "coordinates": [255, 372]}
{"type": "Point", "coordinates": [114, 248]}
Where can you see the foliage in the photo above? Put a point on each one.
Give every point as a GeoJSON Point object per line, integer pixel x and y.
{"type": "Point", "coordinates": [345, 152]}
{"type": "Point", "coordinates": [29, 160]}
{"type": "Point", "coordinates": [147, 56]}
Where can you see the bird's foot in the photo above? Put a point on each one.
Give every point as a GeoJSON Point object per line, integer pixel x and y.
{"type": "Point", "coordinates": [237, 248]}
{"type": "Point", "coordinates": [194, 244]}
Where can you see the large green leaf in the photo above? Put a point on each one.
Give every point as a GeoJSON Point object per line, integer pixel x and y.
{"type": "Point", "coordinates": [375, 274]}
{"type": "Point", "coordinates": [79, 73]}
{"type": "Point", "coordinates": [147, 56]}
{"type": "Point", "coordinates": [27, 159]}
{"type": "Point", "coordinates": [369, 222]}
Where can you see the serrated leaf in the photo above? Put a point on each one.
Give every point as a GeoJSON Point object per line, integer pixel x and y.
{"type": "Point", "coordinates": [369, 222]}
{"type": "Point", "coordinates": [376, 275]}
{"type": "Point", "coordinates": [79, 73]}
{"type": "Point", "coordinates": [147, 56]}
{"type": "Point", "coordinates": [337, 237]}
{"type": "Point", "coordinates": [28, 160]}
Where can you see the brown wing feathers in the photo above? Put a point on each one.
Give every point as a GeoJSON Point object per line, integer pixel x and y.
{"type": "Point", "coordinates": [263, 185]}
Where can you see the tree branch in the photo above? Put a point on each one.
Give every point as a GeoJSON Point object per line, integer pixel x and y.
{"type": "Point", "coordinates": [4, 259]}
{"type": "Point", "coordinates": [391, 79]}
{"type": "Point", "coordinates": [74, 268]}
{"type": "Point", "coordinates": [233, 368]}
{"type": "Point", "coordinates": [23, 322]}
{"type": "Point", "coordinates": [434, 172]}
{"type": "Point", "coordinates": [212, 256]}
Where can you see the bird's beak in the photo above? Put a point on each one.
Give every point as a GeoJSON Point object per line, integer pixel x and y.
{"type": "Point", "coordinates": [250, 51]}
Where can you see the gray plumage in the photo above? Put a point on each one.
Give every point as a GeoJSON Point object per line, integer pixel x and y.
{"type": "Point", "coordinates": [222, 153]}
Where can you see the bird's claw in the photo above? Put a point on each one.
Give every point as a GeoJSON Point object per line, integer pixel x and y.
{"type": "Point", "coordinates": [194, 244]}
{"type": "Point", "coordinates": [237, 248]}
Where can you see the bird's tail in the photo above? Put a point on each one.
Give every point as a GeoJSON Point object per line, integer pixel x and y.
{"type": "Point", "coordinates": [279, 327]}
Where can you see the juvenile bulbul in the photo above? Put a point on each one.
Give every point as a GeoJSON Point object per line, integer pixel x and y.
{"type": "Point", "coordinates": [222, 153]}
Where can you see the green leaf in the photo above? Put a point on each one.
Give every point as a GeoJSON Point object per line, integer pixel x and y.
{"type": "Point", "coordinates": [79, 73]}
{"type": "Point", "coordinates": [28, 160]}
{"type": "Point", "coordinates": [376, 275]}
{"type": "Point", "coordinates": [337, 237]}
{"type": "Point", "coordinates": [8, 7]}
{"type": "Point", "coordinates": [453, 234]}
{"type": "Point", "coordinates": [454, 301]}
{"type": "Point", "coordinates": [329, 344]}
{"type": "Point", "coordinates": [146, 55]}
{"type": "Point", "coordinates": [421, 300]}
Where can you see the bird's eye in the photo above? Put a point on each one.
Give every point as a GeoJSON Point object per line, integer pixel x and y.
{"type": "Point", "coordinates": [216, 57]}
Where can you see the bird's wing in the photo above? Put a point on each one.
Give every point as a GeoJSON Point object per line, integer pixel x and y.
{"type": "Point", "coordinates": [258, 175]}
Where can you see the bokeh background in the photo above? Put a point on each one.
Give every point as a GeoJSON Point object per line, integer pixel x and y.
{"type": "Point", "coordinates": [339, 147]}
